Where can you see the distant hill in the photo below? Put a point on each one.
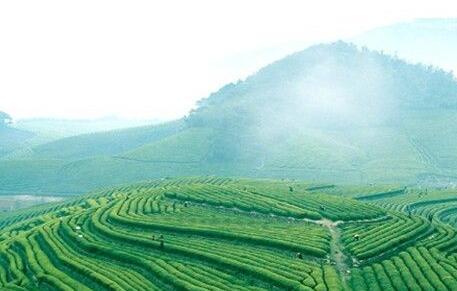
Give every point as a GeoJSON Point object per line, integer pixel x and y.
{"type": "Point", "coordinates": [24, 134]}
{"type": "Point", "coordinates": [331, 112]}
{"type": "Point", "coordinates": [60, 128]}
{"type": "Point", "coordinates": [11, 139]}
{"type": "Point", "coordinates": [104, 143]}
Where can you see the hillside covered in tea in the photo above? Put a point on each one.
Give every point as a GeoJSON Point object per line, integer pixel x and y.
{"type": "Point", "coordinates": [213, 233]}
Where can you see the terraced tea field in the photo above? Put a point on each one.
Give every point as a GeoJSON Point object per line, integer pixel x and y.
{"type": "Point", "coordinates": [214, 233]}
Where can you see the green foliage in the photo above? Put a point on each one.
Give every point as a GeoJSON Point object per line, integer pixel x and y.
{"type": "Point", "coordinates": [382, 236]}
{"type": "Point", "coordinates": [104, 143]}
{"type": "Point", "coordinates": [188, 146]}
{"type": "Point", "coordinates": [204, 245]}
{"type": "Point", "coordinates": [224, 234]}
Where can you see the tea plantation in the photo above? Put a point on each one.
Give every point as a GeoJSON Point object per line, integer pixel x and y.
{"type": "Point", "coordinates": [210, 233]}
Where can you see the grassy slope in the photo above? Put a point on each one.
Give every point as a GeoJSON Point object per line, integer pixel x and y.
{"type": "Point", "coordinates": [189, 146]}
{"type": "Point", "coordinates": [352, 157]}
{"type": "Point", "coordinates": [104, 143]}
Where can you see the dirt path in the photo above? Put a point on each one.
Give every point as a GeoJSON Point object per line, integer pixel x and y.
{"type": "Point", "coordinates": [340, 260]}
{"type": "Point", "coordinates": [336, 250]}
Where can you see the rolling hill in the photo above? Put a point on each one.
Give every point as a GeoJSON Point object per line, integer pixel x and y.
{"type": "Point", "coordinates": [61, 128]}
{"type": "Point", "coordinates": [331, 112]}
{"type": "Point", "coordinates": [104, 143]}
{"type": "Point", "coordinates": [12, 139]}
{"type": "Point", "coordinates": [19, 137]}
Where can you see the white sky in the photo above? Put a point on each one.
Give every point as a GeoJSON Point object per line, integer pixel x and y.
{"type": "Point", "coordinates": [154, 59]}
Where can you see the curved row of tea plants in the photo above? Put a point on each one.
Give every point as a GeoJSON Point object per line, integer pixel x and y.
{"type": "Point", "coordinates": [417, 268]}
{"type": "Point", "coordinates": [368, 240]}
{"type": "Point", "coordinates": [138, 238]}
{"type": "Point", "coordinates": [210, 233]}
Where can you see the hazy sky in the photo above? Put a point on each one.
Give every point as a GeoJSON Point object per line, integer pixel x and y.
{"type": "Point", "coordinates": [154, 59]}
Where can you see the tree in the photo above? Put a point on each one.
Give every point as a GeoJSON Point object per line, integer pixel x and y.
{"type": "Point", "coordinates": [5, 119]}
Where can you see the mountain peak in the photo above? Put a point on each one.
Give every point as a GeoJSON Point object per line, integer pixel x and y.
{"type": "Point", "coordinates": [330, 83]}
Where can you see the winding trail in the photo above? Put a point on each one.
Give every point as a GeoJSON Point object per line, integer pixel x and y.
{"type": "Point", "coordinates": [339, 258]}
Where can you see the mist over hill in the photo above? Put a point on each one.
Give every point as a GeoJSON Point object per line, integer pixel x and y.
{"type": "Point", "coordinates": [331, 112]}
{"type": "Point", "coordinates": [61, 128]}
{"type": "Point", "coordinates": [11, 138]}
{"type": "Point", "coordinates": [326, 88]}
{"type": "Point", "coordinates": [19, 136]}
{"type": "Point", "coordinates": [429, 41]}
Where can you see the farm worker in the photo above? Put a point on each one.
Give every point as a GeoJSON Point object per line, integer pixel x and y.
{"type": "Point", "coordinates": [161, 241]}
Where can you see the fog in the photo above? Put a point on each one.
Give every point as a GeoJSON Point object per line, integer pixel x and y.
{"type": "Point", "coordinates": [156, 59]}
{"type": "Point", "coordinates": [329, 95]}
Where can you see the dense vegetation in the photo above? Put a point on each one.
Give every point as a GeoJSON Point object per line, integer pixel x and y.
{"type": "Point", "coordinates": [213, 233]}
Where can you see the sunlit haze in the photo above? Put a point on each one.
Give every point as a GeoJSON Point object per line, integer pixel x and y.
{"type": "Point", "coordinates": [155, 59]}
